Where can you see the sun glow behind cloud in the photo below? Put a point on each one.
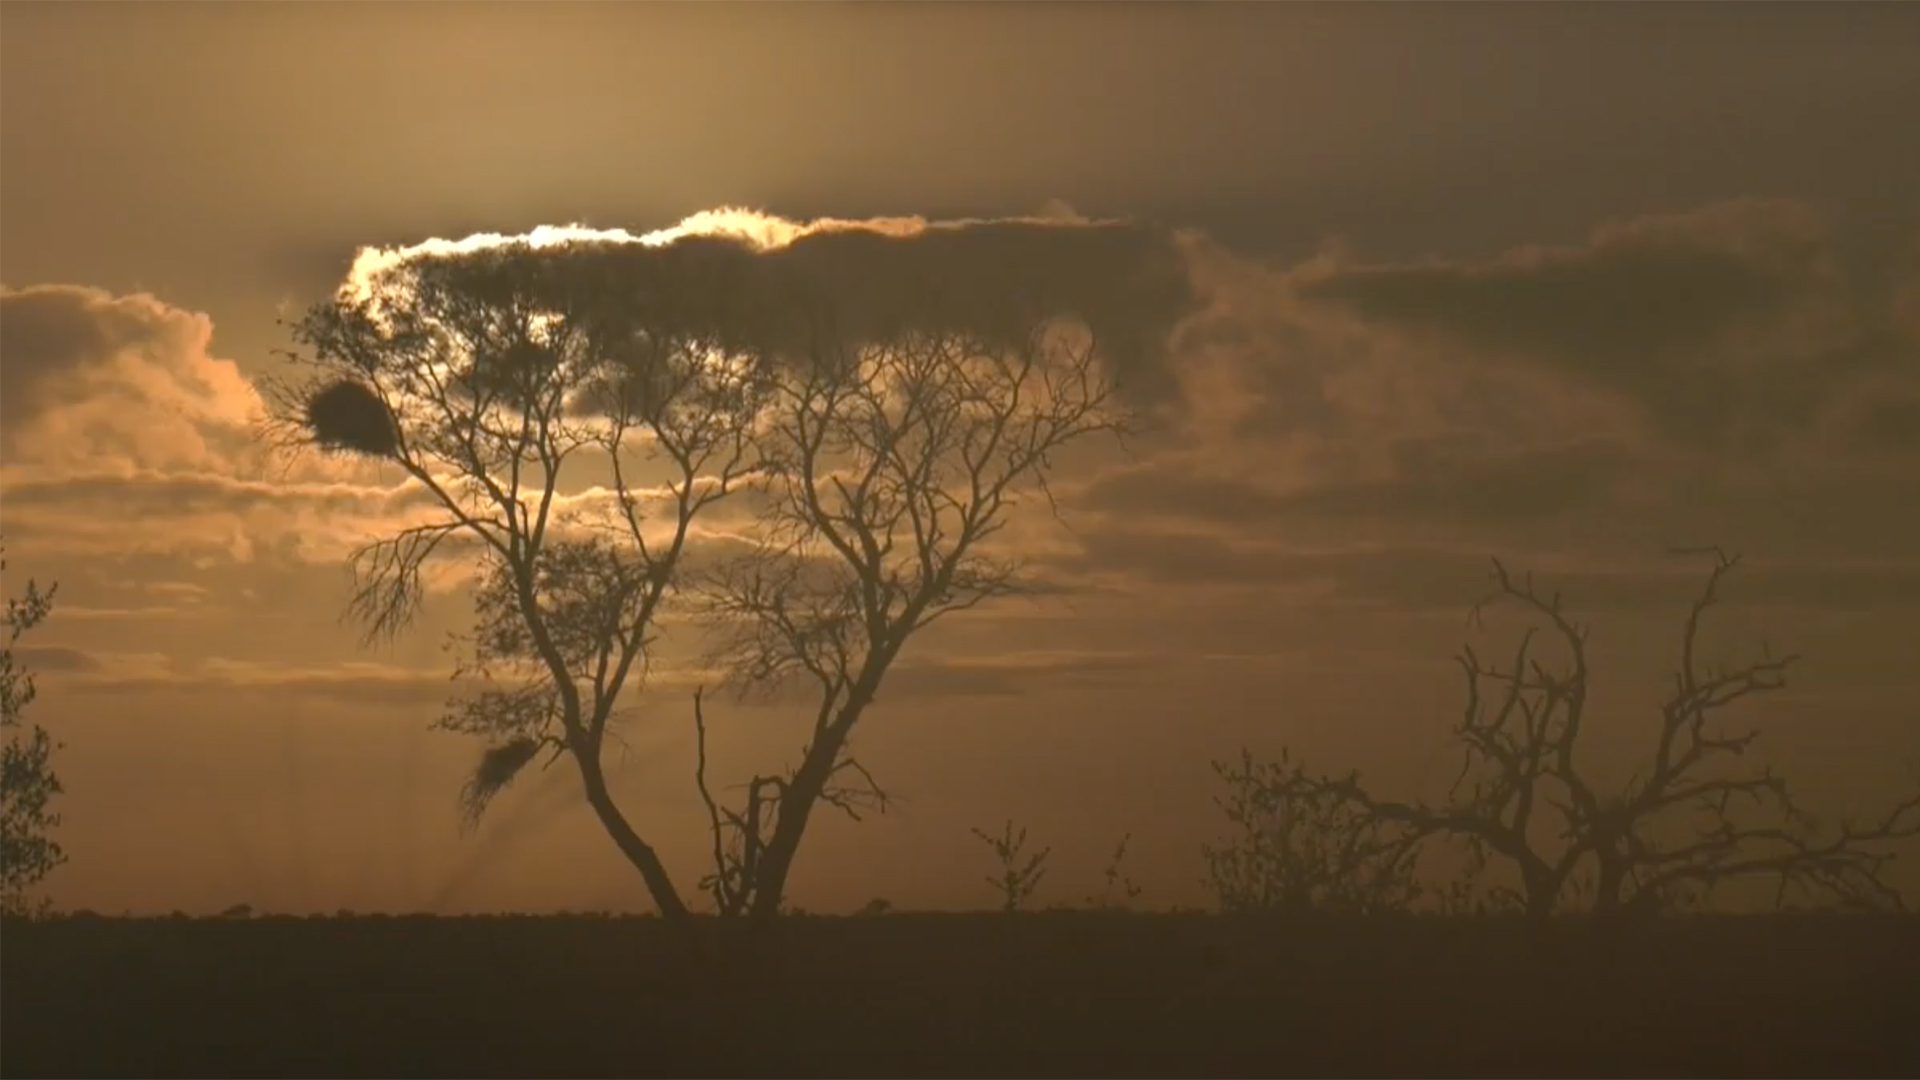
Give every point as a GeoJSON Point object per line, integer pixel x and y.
{"type": "Point", "coordinates": [761, 230]}
{"type": "Point", "coordinates": [756, 228]}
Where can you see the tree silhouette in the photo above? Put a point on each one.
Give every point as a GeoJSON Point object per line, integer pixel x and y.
{"type": "Point", "coordinates": [1689, 820]}
{"type": "Point", "coordinates": [27, 780]}
{"type": "Point", "coordinates": [890, 466]}
{"type": "Point", "coordinates": [884, 460]}
{"type": "Point", "coordinates": [1298, 845]}
{"type": "Point", "coordinates": [1020, 873]}
{"type": "Point", "coordinates": [490, 380]}
{"type": "Point", "coordinates": [1118, 891]}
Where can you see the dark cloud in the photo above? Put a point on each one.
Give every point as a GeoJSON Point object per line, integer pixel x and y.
{"type": "Point", "coordinates": [1163, 558]}
{"type": "Point", "coordinates": [1410, 578]}
{"type": "Point", "coordinates": [1743, 315]}
{"type": "Point", "coordinates": [1454, 478]}
{"type": "Point", "coordinates": [1401, 578]}
{"type": "Point", "coordinates": [1891, 424]}
{"type": "Point", "coordinates": [1878, 416]}
{"type": "Point", "coordinates": [855, 282]}
{"type": "Point", "coordinates": [1006, 676]}
{"type": "Point", "coordinates": [1174, 490]}
{"type": "Point", "coordinates": [48, 330]}
{"type": "Point", "coordinates": [87, 377]}
{"type": "Point", "coordinates": [1441, 478]}
{"type": "Point", "coordinates": [1634, 294]}
{"type": "Point", "coordinates": [1836, 587]}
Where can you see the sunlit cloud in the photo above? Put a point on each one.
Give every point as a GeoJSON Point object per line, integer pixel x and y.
{"type": "Point", "coordinates": [93, 380]}
{"type": "Point", "coordinates": [756, 229]}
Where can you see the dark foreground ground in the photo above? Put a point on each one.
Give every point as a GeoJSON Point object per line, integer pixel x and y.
{"type": "Point", "coordinates": [1039, 995]}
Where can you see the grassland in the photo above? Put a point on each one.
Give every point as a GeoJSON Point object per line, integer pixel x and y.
{"type": "Point", "coordinates": [1078, 994]}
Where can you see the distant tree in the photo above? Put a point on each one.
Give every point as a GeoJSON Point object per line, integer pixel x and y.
{"type": "Point", "coordinates": [492, 380]}
{"type": "Point", "coordinates": [27, 780]}
{"type": "Point", "coordinates": [1689, 820]}
{"type": "Point", "coordinates": [1298, 845]}
{"type": "Point", "coordinates": [1118, 891]}
{"type": "Point", "coordinates": [1020, 873]}
{"type": "Point", "coordinates": [890, 466]}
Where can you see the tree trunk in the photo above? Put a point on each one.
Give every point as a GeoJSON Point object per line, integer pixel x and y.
{"type": "Point", "coordinates": [1543, 890]}
{"type": "Point", "coordinates": [637, 851]}
{"type": "Point", "coordinates": [587, 755]}
{"type": "Point", "coordinates": [808, 782]}
{"type": "Point", "coordinates": [796, 805]}
{"type": "Point", "coordinates": [1608, 887]}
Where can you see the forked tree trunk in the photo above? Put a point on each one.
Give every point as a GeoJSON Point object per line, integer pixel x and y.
{"type": "Point", "coordinates": [808, 783]}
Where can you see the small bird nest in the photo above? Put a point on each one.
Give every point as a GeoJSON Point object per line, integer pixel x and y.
{"type": "Point", "coordinates": [498, 766]}
{"type": "Point", "coordinates": [346, 415]}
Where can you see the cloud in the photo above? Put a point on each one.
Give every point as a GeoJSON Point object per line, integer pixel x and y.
{"type": "Point", "coordinates": [1889, 421]}
{"type": "Point", "coordinates": [754, 229]}
{"type": "Point", "coordinates": [1267, 369]}
{"type": "Point", "coordinates": [752, 277]}
{"type": "Point", "coordinates": [123, 433]}
{"type": "Point", "coordinates": [1741, 317]}
{"type": "Point", "coordinates": [157, 492]}
{"type": "Point", "coordinates": [196, 513]}
{"type": "Point", "coordinates": [1745, 373]}
{"type": "Point", "coordinates": [53, 658]}
{"type": "Point", "coordinates": [1454, 477]}
{"type": "Point", "coordinates": [185, 591]}
{"type": "Point", "coordinates": [116, 614]}
{"type": "Point", "coordinates": [1431, 577]}
{"type": "Point", "coordinates": [1008, 674]}
{"type": "Point", "coordinates": [352, 682]}
{"type": "Point", "coordinates": [93, 380]}
{"type": "Point", "coordinates": [1173, 490]}
{"type": "Point", "coordinates": [1168, 558]}
{"type": "Point", "coordinates": [1470, 404]}
{"type": "Point", "coordinates": [1635, 293]}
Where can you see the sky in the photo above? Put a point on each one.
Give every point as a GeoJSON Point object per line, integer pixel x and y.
{"type": "Point", "coordinates": [1566, 285]}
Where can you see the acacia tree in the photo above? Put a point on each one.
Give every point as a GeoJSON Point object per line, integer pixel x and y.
{"type": "Point", "coordinates": [1689, 820]}
{"type": "Point", "coordinates": [492, 380]}
{"type": "Point", "coordinates": [892, 464]}
{"type": "Point", "coordinates": [886, 459]}
{"type": "Point", "coordinates": [27, 780]}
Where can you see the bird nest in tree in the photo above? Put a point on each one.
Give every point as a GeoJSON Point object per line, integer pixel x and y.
{"type": "Point", "coordinates": [346, 415]}
{"type": "Point", "coordinates": [498, 766]}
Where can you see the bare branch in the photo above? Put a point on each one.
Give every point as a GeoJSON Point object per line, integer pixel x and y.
{"type": "Point", "coordinates": [1690, 821]}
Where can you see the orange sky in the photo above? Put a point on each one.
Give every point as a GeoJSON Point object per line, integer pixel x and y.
{"type": "Point", "coordinates": [1570, 286]}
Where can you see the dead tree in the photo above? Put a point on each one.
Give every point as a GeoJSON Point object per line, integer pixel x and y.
{"type": "Point", "coordinates": [1692, 818]}
{"type": "Point", "coordinates": [490, 380]}
{"type": "Point", "coordinates": [892, 465]}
